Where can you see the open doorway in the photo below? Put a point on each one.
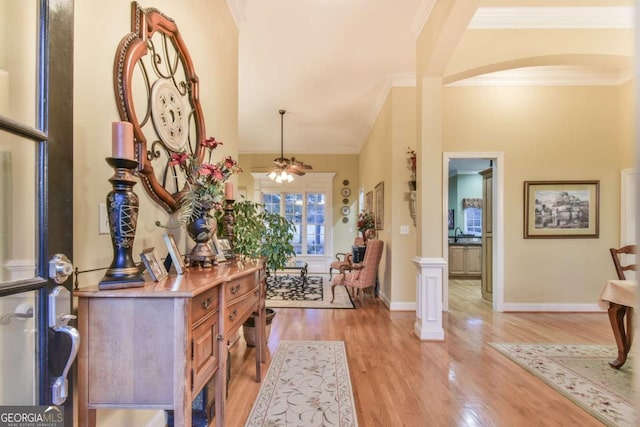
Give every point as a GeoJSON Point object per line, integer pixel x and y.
{"type": "Point", "coordinates": [473, 222]}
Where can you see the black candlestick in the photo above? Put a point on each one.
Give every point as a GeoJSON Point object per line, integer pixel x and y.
{"type": "Point", "coordinates": [122, 208]}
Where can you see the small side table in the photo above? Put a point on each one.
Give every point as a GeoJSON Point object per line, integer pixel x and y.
{"type": "Point", "coordinates": [299, 265]}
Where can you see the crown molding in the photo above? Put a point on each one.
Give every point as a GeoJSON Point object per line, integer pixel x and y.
{"type": "Point", "coordinates": [236, 7]}
{"type": "Point", "coordinates": [619, 17]}
{"type": "Point", "coordinates": [549, 76]}
{"type": "Point", "coordinates": [426, 6]}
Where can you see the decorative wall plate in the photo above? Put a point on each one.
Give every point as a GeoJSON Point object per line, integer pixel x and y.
{"type": "Point", "coordinates": [345, 210]}
{"type": "Point", "coordinates": [345, 201]}
{"type": "Point", "coordinates": [169, 115]}
{"type": "Point", "coordinates": [345, 182]}
{"type": "Point", "coordinates": [346, 192]}
{"type": "Point", "coordinates": [345, 219]}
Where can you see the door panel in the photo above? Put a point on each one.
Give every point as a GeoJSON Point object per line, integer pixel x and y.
{"type": "Point", "coordinates": [36, 217]}
{"type": "Point", "coordinates": [17, 212]}
{"type": "Point", "coordinates": [18, 343]}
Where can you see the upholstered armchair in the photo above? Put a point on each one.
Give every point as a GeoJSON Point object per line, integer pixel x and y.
{"type": "Point", "coordinates": [361, 276]}
{"type": "Point", "coordinates": [344, 259]}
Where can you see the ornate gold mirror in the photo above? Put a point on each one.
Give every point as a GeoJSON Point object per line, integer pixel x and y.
{"type": "Point", "coordinates": [157, 90]}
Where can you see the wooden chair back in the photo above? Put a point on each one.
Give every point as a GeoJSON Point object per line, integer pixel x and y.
{"type": "Point", "coordinates": [621, 268]}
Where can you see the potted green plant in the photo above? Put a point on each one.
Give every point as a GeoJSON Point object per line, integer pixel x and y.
{"type": "Point", "coordinates": [262, 234]}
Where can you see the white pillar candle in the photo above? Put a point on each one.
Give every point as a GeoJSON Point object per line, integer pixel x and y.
{"type": "Point", "coordinates": [122, 140]}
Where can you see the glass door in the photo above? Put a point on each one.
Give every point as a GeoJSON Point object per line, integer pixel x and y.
{"type": "Point", "coordinates": [36, 146]}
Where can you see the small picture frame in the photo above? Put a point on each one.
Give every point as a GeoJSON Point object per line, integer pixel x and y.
{"type": "Point", "coordinates": [174, 254]}
{"type": "Point", "coordinates": [224, 247]}
{"type": "Point", "coordinates": [215, 247]}
{"type": "Point", "coordinates": [152, 263]}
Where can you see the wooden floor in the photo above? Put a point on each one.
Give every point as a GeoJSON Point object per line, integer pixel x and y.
{"type": "Point", "coordinates": [399, 381]}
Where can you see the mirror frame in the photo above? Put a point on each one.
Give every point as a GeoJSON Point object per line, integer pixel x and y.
{"type": "Point", "coordinates": [132, 49]}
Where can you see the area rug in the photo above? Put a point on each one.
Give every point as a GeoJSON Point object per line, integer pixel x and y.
{"type": "Point", "coordinates": [582, 374]}
{"type": "Point", "coordinates": [288, 291]}
{"type": "Point", "coordinates": [307, 384]}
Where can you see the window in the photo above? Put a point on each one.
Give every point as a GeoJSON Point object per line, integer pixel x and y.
{"type": "Point", "coordinates": [473, 221]}
{"type": "Point", "coordinates": [307, 212]}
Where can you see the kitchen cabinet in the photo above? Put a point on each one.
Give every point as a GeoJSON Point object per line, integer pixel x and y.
{"type": "Point", "coordinates": [465, 260]}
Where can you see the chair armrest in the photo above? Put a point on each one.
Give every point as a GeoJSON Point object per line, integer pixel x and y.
{"type": "Point", "coordinates": [341, 254]}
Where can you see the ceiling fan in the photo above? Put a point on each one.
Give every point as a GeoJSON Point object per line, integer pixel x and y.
{"type": "Point", "coordinates": [284, 167]}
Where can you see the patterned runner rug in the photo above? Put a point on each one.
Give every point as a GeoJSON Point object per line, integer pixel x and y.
{"type": "Point", "coordinates": [581, 373]}
{"type": "Point", "coordinates": [307, 384]}
{"type": "Point", "coordinates": [288, 291]}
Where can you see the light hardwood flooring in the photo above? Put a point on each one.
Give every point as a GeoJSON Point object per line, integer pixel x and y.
{"type": "Point", "coordinates": [400, 381]}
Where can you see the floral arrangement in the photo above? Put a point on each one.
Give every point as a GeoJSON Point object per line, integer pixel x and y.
{"type": "Point", "coordinates": [412, 161]}
{"type": "Point", "coordinates": [365, 221]}
{"type": "Point", "coordinates": [204, 182]}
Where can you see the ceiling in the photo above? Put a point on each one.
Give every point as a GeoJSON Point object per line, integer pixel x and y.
{"type": "Point", "coordinates": [331, 63]}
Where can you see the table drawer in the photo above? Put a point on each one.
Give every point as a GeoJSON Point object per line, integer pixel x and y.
{"type": "Point", "coordinates": [239, 287]}
{"type": "Point", "coordinates": [203, 304]}
{"type": "Point", "coordinates": [205, 352]}
{"type": "Point", "coordinates": [240, 310]}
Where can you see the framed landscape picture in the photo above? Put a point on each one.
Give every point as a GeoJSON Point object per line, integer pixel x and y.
{"type": "Point", "coordinates": [561, 209]}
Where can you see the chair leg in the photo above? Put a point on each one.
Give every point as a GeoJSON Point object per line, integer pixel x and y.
{"type": "Point", "coordinates": [616, 317]}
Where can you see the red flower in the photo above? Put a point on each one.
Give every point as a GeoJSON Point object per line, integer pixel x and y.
{"type": "Point", "coordinates": [178, 159]}
{"type": "Point", "coordinates": [211, 143]}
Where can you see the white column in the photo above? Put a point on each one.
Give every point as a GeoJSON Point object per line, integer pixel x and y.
{"type": "Point", "coordinates": [430, 271]}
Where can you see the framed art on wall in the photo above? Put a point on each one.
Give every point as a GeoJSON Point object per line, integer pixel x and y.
{"type": "Point", "coordinates": [561, 209]}
{"type": "Point", "coordinates": [379, 213]}
{"type": "Point", "coordinates": [368, 202]}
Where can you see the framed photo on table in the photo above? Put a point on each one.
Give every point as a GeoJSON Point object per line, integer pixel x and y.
{"type": "Point", "coordinates": [152, 263]}
{"type": "Point", "coordinates": [561, 209]}
{"type": "Point", "coordinates": [174, 254]}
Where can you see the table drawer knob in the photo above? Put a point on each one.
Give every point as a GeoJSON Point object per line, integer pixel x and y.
{"type": "Point", "coordinates": [206, 303]}
{"type": "Point", "coordinates": [233, 315]}
{"type": "Point", "coordinates": [235, 289]}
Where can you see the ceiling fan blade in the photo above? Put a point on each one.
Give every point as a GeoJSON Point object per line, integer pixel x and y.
{"type": "Point", "coordinates": [296, 171]}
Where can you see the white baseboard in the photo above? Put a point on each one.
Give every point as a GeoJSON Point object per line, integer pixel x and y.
{"type": "Point", "coordinates": [402, 306]}
{"type": "Point", "coordinates": [550, 307]}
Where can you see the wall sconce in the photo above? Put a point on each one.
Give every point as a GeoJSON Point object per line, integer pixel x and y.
{"type": "Point", "coordinates": [412, 206]}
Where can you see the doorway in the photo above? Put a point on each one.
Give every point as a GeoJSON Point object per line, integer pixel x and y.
{"type": "Point", "coordinates": [495, 268]}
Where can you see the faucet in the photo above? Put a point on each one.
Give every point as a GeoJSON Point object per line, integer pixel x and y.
{"type": "Point", "coordinates": [455, 233]}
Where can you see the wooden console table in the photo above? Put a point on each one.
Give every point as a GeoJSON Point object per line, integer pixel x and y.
{"type": "Point", "coordinates": [155, 347]}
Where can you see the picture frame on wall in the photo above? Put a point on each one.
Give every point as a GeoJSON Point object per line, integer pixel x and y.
{"type": "Point", "coordinates": [451, 219]}
{"type": "Point", "coordinates": [152, 263]}
{"type": "Point", "coordinates": [379, 205]}
{"type": "Point", "coordinates": [368, 202]}
{"type": "Point", "coordinates": [561, 209]}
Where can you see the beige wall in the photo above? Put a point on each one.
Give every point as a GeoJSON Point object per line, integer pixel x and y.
{"type": "Point", "coordinates": [212, 38]}
{"type": "Point", "coordinates": [384, 159]}
{"type": "Point", "coordinates": [344, 166]}
{"type": "Point", "coordinates": [548, 133]}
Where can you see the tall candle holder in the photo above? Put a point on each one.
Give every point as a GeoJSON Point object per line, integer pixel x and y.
{"type": "Point", "coordinates": [229, 220]}
{"type": "Point", "coordinates": [122, 208]}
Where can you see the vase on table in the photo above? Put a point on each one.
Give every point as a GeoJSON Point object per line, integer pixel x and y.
{"type": "Point", "coordinates": [201, 230]}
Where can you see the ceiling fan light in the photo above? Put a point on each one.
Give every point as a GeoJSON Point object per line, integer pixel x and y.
{"type": "Point", "coordinates": [273, 175]}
